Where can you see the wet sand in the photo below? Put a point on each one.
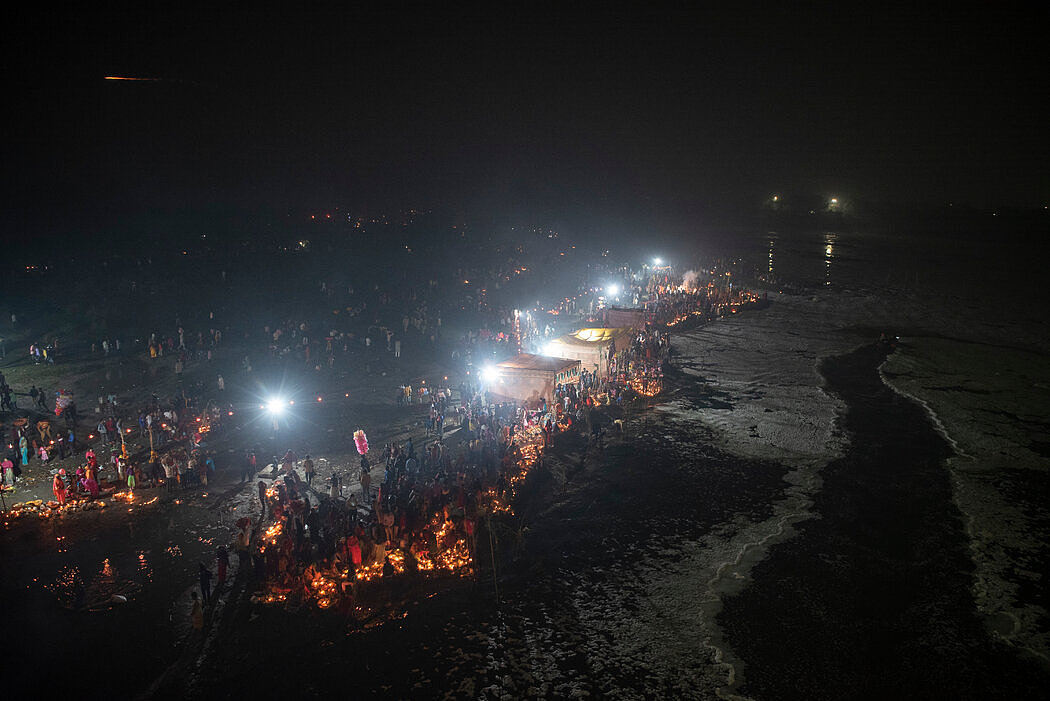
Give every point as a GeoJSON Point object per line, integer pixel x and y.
{"type": "Point", "coordinates": [603, 587]}
{"type": "Point", "coordinates": [872, 599]}
{"type": "Point", "coordinates": [590, 512]}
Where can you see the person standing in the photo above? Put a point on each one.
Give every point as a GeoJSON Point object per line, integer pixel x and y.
{"type": "Point", "coordinates": [288, 463]}
{"type": "Point", "coordinates": [221, 383]}
{"type": "Point", "coordinates": [248, 469]}
{"type": "Point", "coordinates": [169, 473]}
{"type": "Point", "coordinates": [196, 613]}
{"type": "Point", "coordinates": [58, 486]}
{"type": "Point", "coordinates": [204, 574]}
{"type": "Point", "coordinates": [366, 479]}
{"type": "Point", "coordinates": [308, 468]}
{"type": "Point", "coordinates": [262, 498]}
{"type": "Point", "coordinates": [8, 476]}
{"type": "Point", "coordinates": [155, 470]}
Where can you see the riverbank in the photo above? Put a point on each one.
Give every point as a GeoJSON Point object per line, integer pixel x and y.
{"type": "Point", "coordinates": [756, 506]}
{"type": "Point", "coordinates": [873, 597]}
{"type": "Point", "coordinates": [988, 400]}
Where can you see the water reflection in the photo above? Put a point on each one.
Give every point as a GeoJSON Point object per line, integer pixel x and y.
{"type": "Point", "coordinates": [102, 590]}
{"type": "Point", "coordinates": [144, 567]}
{"type": "Point", "coordinates": [108, 573]}
{"type": "Point", "coordinates": [67, 587]}
{"type": "Point", "coordinates": [829, 247]}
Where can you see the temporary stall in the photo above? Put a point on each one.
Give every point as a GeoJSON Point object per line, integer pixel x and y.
{"type": "Point", "coordinates": [625, 317]}
{"type": "Point", "coordinates": [528, 378]}
{"type": "Point", "coordinates": [592, 347]}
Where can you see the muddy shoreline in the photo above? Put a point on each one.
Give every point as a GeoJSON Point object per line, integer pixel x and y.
{"type": "Point", "coordinates": [872, 598]}
{"type": "Point", "coordinates": [600, 585]}
{"type": "Point", "coordinates": [591, 509]}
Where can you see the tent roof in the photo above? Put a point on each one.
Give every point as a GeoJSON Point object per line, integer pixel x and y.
{"type": "Point", "coordinates": [587, 337]}
{"type": "Point", "coordinates": [527, 361]}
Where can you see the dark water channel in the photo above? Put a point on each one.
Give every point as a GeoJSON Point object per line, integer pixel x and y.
{"type": "Point", "coordinates": [872, 599]}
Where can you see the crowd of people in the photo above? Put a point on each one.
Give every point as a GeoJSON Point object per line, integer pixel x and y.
{"type": "Point", "coordinates": [323, 540]}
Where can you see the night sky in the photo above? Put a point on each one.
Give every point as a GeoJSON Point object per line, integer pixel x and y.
{"type": "Point", "coordinates": [670, 118]}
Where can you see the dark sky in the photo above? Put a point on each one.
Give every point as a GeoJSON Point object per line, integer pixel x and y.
{"type": "Point", "coordinates": [646, 115]}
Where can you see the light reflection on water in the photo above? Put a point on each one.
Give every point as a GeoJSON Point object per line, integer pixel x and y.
{"type": "Point", "coordinates": [108, 571]}
{"type": "Point", "coordinates": [144, 567]}
{"type": "Point", "coordinates": [67, 587]}
{"type": "Point", "coordinates": [108, 586]}
{"type": "Point", "coordinates": [829, 244]}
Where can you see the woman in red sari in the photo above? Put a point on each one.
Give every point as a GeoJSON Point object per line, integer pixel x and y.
{"type": "Point", "coordinates": [58, 486]}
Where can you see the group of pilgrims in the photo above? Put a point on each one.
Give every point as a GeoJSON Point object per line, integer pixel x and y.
{"type": "Point", "coordinates": [407, 510]}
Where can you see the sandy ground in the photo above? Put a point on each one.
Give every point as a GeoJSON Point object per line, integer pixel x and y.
{"type": "Point", "coordinates": [147, 551]}
{"type": "Point", "coordinates": [625, 575]}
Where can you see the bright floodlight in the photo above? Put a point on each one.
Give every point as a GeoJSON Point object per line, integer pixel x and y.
{"type": "Point", "coordinates": [489, 374]}
{"type": "Point", "coordinates": [658, 261]}
{"type": "Point", "coordinates": [275, 406]}
{"type": "Point", "coordinates": [612, 290]}
{"type": "Point", "coordinates": [551, 349]}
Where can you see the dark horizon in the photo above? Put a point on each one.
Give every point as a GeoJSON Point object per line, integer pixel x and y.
{"type": "Point", "coordinates": [675, 123]}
